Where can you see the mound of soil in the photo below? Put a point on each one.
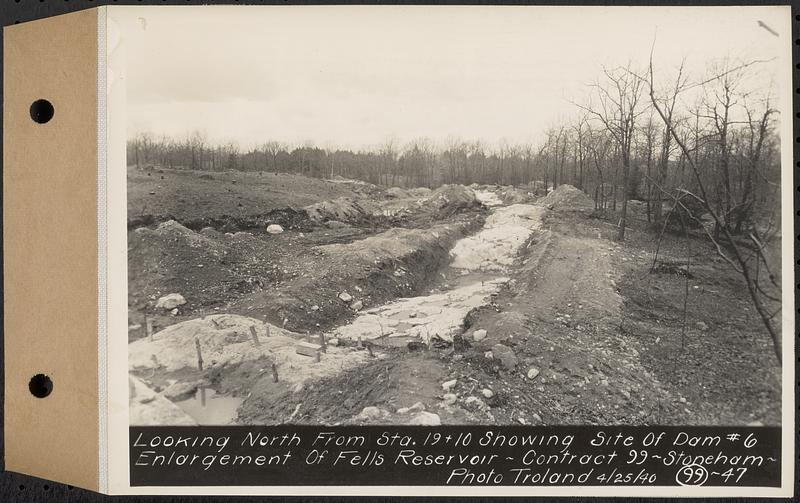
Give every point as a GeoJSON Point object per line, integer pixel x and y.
{"type": "Point", "coordinates": [449, 199]}
{"type": "Point", "coordinates": [343, 209]}
{"type": "Point", "coordinates": [567, 197]}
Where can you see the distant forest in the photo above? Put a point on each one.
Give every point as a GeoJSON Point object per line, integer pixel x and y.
{"type": "Point", "coordinates": [632, 139]}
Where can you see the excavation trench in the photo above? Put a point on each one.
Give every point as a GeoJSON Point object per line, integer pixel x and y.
{"type": "Point", "coordinates": [243, 350]}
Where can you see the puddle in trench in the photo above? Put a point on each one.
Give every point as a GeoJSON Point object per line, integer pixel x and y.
{"type": "Point", "coordinates": [475, 274]}
{"type": "Point", "coordinates": [208, 408]}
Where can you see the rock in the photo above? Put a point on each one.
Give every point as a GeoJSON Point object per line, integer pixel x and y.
{"type": "Point", "coordinates": [131, 328]}
{"type": "Point", "coordinates": [537, 418]}
{"type": "Point", "coordinates": [345, 297]}
{"type": "Point", "coordinates": [475, 402]}
{"type": "Point", "coordinates": [533, 372]}
{"type": "Point", "coordinates": [487, 393]}
{"type": "Point", "coordinates": [450, 398]}
{"type": "Point", "coordinates": [357, 305]}
{"type": "Point", "coordinates": [174, 312]}
{"type": "Point", "coordinates": [333, 341]}
{"type": "Point", "coordinates": [505, 354]}
{"type": "Point", "coordinates": [274, 229]}
{"type": "Point", "coordinates": [755, 423]}
{"type": "Point", "coordinates": [479, 335]}
{"type": "Point", "coordinates": [371, 413]}
{"type": "Point", "coordinates": [180, 391]}
{"type": "Point", "coordinates": [315, 307]}
{"type": "Point", "coordinates": [488, 355]}
{"type": "Point", "coordinates": [701, 326]}
{"type": "Point", "coordinates": [448, 385]}
{"type": "Point", "coordinates": [682, 400]}
{"type": "Point", "coordinates": [414, 408]}
{"type": "Point", "coordinates": [426, 419]}
{"type": "Point", "coordinates": [171, 301]}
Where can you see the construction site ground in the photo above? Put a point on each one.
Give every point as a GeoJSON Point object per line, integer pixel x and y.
{"type": "Point", "coordinates": [576, 328]}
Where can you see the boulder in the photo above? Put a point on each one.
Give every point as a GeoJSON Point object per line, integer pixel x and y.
{"type": "Point", "coordinates": [426, 419]}
{"type": "Point", "coordinates": [505, 355]}
{"type": "Point", "coordinates": [180, 391]}
{"type": "Point", "coordinates": [170, 301]}
{"type": "Point", "coordinates": [448, 385]}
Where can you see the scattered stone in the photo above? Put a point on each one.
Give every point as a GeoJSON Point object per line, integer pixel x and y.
{"type": "Point", "coordinates": [682, 400]}
{"type": "Point", "coordinates": [345, 297]}
{"type": "Point", "coordinates": [426, 419]}
{"type": "Point", "coordinates": [533, 372]}
{"type": "Point", "coordinates": [357, 305]}
{"type": "Point", "coordinates": [479, 335]}
{"type": "Point", "coordinates": [505, 354]}
{"type": "Point", "coordinates": [487, 393]}
{"type": "Point", "coordinates": [449, 398]}
{"type": "Point", "coordinates": [315, 307]}
{"type": "Point", "coordinates": [274, 229]}
{"type": "Point", "coordinates": [448, 385]}
{"type": "Point", "coordinates": [701, 326]}
{"type": "Point", "coordinates": [488, 355]}
{"type": "Point", "coordinates": [170, 301]}
{"type": "Point", "coordinates": [333, 341]}
{"type": "Point", "coordinates": [174, 312]}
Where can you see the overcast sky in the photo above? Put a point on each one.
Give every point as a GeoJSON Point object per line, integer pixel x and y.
{"type": "Point", "coordinates": [353, 76]}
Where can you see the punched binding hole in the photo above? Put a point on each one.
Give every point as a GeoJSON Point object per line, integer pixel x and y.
{"type": "Point", "coordinates": [40, 385]}
{"type": "Point", "coordinates": [42, 111]}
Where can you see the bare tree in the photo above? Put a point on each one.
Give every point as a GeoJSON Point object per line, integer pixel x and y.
{"type": "Point", "coordinates": [614, 102]}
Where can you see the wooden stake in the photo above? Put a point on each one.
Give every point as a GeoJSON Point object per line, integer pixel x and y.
{"type": "Point", "coordinates": [255, 335]}
{"type": "Point", "coordinates": [199, 353]}
{"type": "Point", "coordinates": [203, 396]}
{"type": "Point", "coordinates": [323, 342]}
{"type": "Point", "coordinates": [369, 348]}
{"type": "Point", "coordinates": [274, 372]}
{"type": "Point", "coordinates": [317, 356]}
{"type": "Point", "coordinates": [268, 335]}
{"type": "Point", "coordinates": [216, 325]}
{"type": "Point", "coordinates": [148, 323]}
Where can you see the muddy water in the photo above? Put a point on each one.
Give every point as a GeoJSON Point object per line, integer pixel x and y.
{"type": "Point", "coordinates": [208, 408]}
{"type": "Point", "coordinates": [475, 273]}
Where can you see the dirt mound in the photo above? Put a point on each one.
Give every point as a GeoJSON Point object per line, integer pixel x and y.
{"type": "Point", "coordinates": [449, 199]}
{"type": "Point", "coordinates": [514, 195]}
{"type": "Point", "coordinates": [396, 193]}
{"type": "Point", "coordinates": [566, 196]}
{"type": "Point", "coordinates": [342, 209]}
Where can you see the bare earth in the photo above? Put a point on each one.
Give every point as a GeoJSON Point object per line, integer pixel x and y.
{"type": "Point", "coordinates": [577, 329]}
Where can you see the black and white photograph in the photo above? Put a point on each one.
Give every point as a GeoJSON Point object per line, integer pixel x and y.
{"type": "Point", "coordinates": [430, 216]}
